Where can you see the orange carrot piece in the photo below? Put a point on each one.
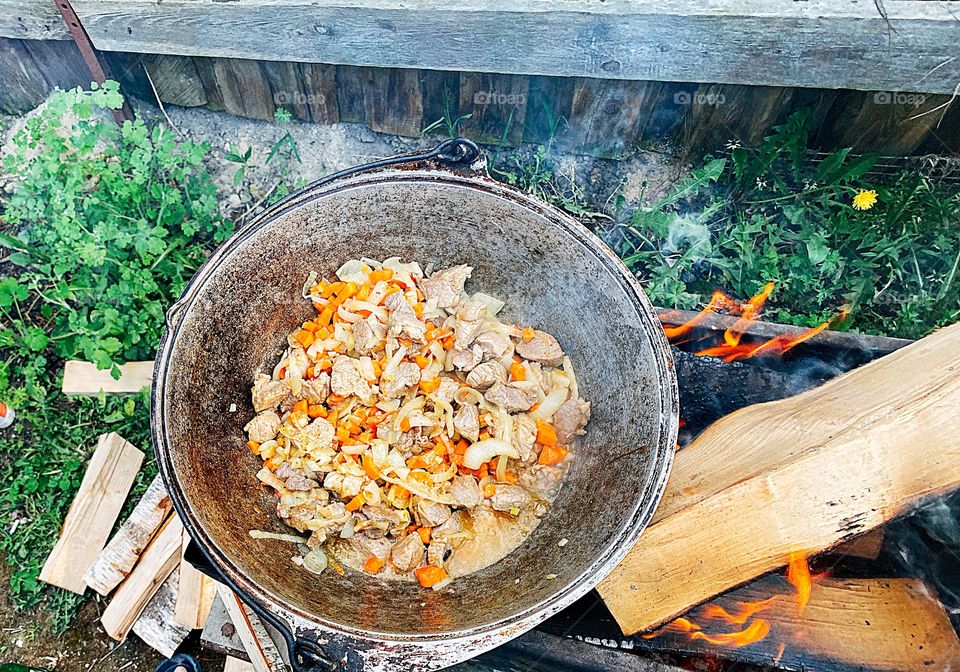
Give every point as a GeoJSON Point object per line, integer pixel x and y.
{"type": "Point", "coordinates": [405, 425]}
{"type": "Point", "coordinates": [364, 292]}
{"type": "Point", "coordinates": [424, 533]}
{"type": "Point", "coordinates": [356, 502]}
{"type": "Point", "coordinates": [429, 386]}
{"type": "Point", "coordinates": [551, 455]}
{"type": "Point", "coordinates": [273, 463]}
{"type": "Point", "coordinates": [254, 447]}
{"type": "Point", "coordinates": [300, 407]}
{"type": "Point", "coordinates": [418, 309]}
{"type": "Point", "coordinates": [448, 342]}
{"type": "Point", "coordinates": [373, 565]}
{"type": "Point", "coordinates": [546, 434]}
{"type": "Point", "coordinates": [527, 334]}
{"type": "Point", "coordinates": [517, 372]}
{"type": "Point", "coordinates": [382, 275]}
{"type": "Point", "coordinates": [316, 410]}
{"type": "Point", "coordinates": [430, 575]}
{"type": "Point", "coordinates": [422, 362]}
{"type": "Point", "coordinates": [369, 467]}
{"type": "Point", "coordinates": [489, 490]}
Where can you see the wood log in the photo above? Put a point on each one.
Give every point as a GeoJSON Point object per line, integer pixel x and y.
{"type": "Point", "coordinates": [156, 626]}
{"type": "Point", "coordinates": [195, 594]}
{"type": "Point", "coordinates": [799, 474]}
{"type": "Point", "coordinates": [86, 379]}
{"type": "Point", "coordinates": [262, 650]}
{"type": "Point", "coordinates": [103, 490]}
{"type": "Point", "coordinates": [176, 80]}
{"type": "Point", "coordinates": [893, 625]}
{"type": "Point", "coordinates": [244, 88]}
{"type": "Point", "coordinates": [868, 545]}
{"type": "Point", "coordinates": [320, 85]}
{"type": "Point", "coordinates": [232, 664]}
{"type": "Point", "coordinates": [117, 559]}
{"type": "Point", "coordinates": [286, 85]}
{"type": "Point", "coordinates": [157, 562]}
{"type": "Point", "coordinates": [393, 101]}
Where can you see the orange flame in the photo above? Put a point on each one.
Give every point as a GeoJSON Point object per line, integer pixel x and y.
{"type": "Point", "coordinates": [744, 611]}
{"type": "Point", "coordinates": [681, 624]}
{"type": "Point", "coordinates": [732, 349]}
{"type": "Point", "coordinates": [752, 633]}
{"type": "Point", "coordinates": [798, 576]}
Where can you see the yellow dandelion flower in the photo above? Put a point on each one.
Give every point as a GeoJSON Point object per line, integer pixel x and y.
{"type": "Point", "coordinates": [864, 200]}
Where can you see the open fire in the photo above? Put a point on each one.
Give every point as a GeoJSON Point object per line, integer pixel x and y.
{"type": "Point", "coordinates": [732, 348]}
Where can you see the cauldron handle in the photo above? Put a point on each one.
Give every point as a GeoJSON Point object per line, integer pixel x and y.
{"type": "Point", "coordinates": [305, 656]}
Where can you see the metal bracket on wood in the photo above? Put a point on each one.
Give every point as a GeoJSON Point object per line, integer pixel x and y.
{"type": "Point", "coordinates": [96, 64]}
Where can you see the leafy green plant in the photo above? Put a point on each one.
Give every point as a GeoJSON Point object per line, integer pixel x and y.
{"type": "Point", "coordinates": [450, 121]}
{"type": "Point", "coordinates": [775, 213]}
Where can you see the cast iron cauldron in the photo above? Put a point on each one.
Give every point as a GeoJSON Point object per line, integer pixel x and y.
{"type": "Point", "coordinates": [441, 208]}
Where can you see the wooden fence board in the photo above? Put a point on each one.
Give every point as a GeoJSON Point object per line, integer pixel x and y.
{"type": "Point", "coordinates": [208, 77]}
{"type": "Point", "coordinates": [498, 105]}
{"type": "Point", "coordinates": [393, 101]}
{"type": "Point", "coordinates": [350, 93]}
{"type": "Point", "coordinates": [549, 105]}
{"type": "Point", "coordinates": [607, 120]}
{"type": "Point", "coordinates": [817, 43]}
{"type": "Point", "coordinates": [176, 80]}
{"type": "Point", "coordinates": [286, 87]}
{"type": "Point", "coordinates": [22, 87]}
{"type": "Point", "coordinates": [717, 114]}
{"type": "Point", "coordinates": [31, 20]}
{"type": "Point", "coordinates": [244, 88]}
{"type": "Point", "coordinates": [441, 98]}
{"type": "Point", "coordinates": [320, 86]}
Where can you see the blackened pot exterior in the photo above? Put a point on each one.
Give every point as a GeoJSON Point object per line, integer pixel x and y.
{"type": "Point", "coordinates": [232, 322]}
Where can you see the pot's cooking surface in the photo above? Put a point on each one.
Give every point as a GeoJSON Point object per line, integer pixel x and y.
{"type": "Point", "coordinates": [548, 278]}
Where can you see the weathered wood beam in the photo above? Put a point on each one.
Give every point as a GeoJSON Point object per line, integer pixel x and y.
{"type": "Point", "coordinates": [31, 20]}
{"type": "Point", "coordinates": [800, 474]}
{"type": "Point", "coordinates": [817, 43]}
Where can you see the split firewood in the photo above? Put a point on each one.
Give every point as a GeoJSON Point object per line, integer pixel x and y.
{"type": "Point", "coordinates": [232, 664]}
{"type": "Point", "coordinates": [84, 378]}
{"type": "Point", "coordinates": [103, 490]}
{"type": "Point", "coordinates": [156, 563]}
{"type": "Point", "coordinates": [156, 625]}
{"type": "Point", "coordinates": [800, 474]}
{"type": "Point", "coordinates": [116, 561]}
{"type": "Point", "coordinates": [260, 647]}
{"type": "Point", "coordinates": [868, 545]}
{"type": "Point", "coordinates": [195, 594]}
{"type": "Point", "coordinates": [874, 624]}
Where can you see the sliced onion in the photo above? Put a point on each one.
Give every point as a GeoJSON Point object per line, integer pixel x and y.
{"type": "Point", "coordinates": [484, 451]}
{"type": "Point", "coordinates": [389, 405]}
{"type": "Point", "coordinates": [549, 406]}
{"type": "Point", "coordinates": [271, 479]}
{"type": "Point", "coordinates": [353, 271]}
{"type": "Point", "coordinates": [502, 468]}
{"type": "Point", "coordinates": [311, 281]}
{"type": "Point", "coordinates": [348, 530]}
{"type": "Point", "coordinates": [315, 561]}
{"type": "Point", "coordinates": [568, 369]}
{"type": "Point", "coordinates": [492, 303]}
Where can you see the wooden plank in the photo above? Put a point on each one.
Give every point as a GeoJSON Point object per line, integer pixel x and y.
{"type": "Point", "coordinates": [849, 624]}
{"type": "Point", "coordinates": [885, 122]}
{"type": "Point", "coordinates": [22, 86]}
{"type": "Point", "coordinates": [232, 664]}
{"type": "Point", "coordinates": [350, 81]}
{"type": "Point", "coordinates": [157, 562]}
{"type": "Point", "coordinates": [608, 117]}
{"type": "Point", "coordinates": [320, 86]}
{"type": "Point", "coordinates": [262, 650]}
{"type": "Point", "coordinates": [799, 474]}
{"type": "Point", "coordinates": [86, 379]}
{"type": "Point", "coordinates": [208, 77]}
{"type": "Point", "coordinates": [718, 114]}
{"type": "Point", "coordinates": [195, 595]}
{"type": "Point", "coordinates": [59, 62]}
{"type": "Point", "coordinates": [497, 105]}
{"type": "Point", "coordinates": [157, 626]}
{"type": "Point", "coordinates": [244, 88]}
{"type": "Point", "coordinates": [818, 43]}
{"type": "Point", "coordinates": [867, 545]}
{"type": "Point", "coordinates": [286, 86]}
{"type": "Point", "coordinates": [219, 634]}
{"type": "Point", "coordinates": [31, 20]}
{"type": "Point", "coordinates": [118, 558]}
{"type": "Point", "coordinates": [441, 99]}
{"type": "Point", "coordinates": [549, 105]}
{"type": "Point", "coordinates": [176, 80]}
{"type": "Point", "coordinates": [103, 490]}
{"type": "Point", "coordinates": [393, 101]}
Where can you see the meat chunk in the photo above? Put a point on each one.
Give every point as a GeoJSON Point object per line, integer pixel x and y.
{"type": "Point", "coordinates": [486, 374]}
{"type": "Point", "coordinates": [570, 419]}
{"type": "Point", "coordinates": [368, 334]}
{"type": "Point", "coordinates": [431, 514]}
{"type": "Point", "coordinates": [524, 435]}
{"type": "Point", "coordinates": [447, 529]}
{"type": "Point", "coordinates": [542, 479]}
{"type": "Point", "coordinates": [413, 441]}
{"type": "Point", "coordinates": [448, 387]}
{"type": "Point", "coordinates": [493, 343]}
{"type": "Point", "coordinates": [347, 486]}
{"type": "Point", "coordinates": [509, 497]}
{"type": "Point", "coordinates": [346, 379]}
{"type": "Point", "coordinates": [402, 319]}
{"type": "Point", "coordinates": [300, 482]}
{"type": "Point", "coordinates": [397, 382]}
{"type": "Point", "coordinates": [466, 491]}
{"type": "Point", "coordinates": [471, 311]}
{"type": "Point", "coordinates": [465, 360]}
{"type": "Point", "coordinates": [386, 518]}
{"type": "Point", "coordinates": [467, 421]}
{"type": "Point", "coordinates": [407, 554]}
{"type": "Point", "coordinates": [465, 333]}
{"type": "Point", "coordinates": [316, 391]}
{"type": "Point", "coordinates": [541, 348]}
{"type": "Point", "coordinates": [263, 427]}
{"type": "Point", "coordinates": [368, 546]}
{"type": "Point", "coordinates": [267, 392]}
{"type": "Point", "coordinates": [446, 285]}
{"type": "Point", "coordinates": [437, 552]}
{"type": "Point", "coordinates": [315, 436]}
{"type": "Point", "coordinates": [512, 397]}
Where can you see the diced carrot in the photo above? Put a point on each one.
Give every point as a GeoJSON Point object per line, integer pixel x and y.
{"type": "Point", "coordinates": [484, 435]}
{"type": "Point", "coordinates": [282, 373]}
{"type": "Point", "coordinates": [546, 434]}
{"type": "Point", "coordinates": [373, 565]}
{"type": "Point", "coordinates": [392, 289]}
{"type": "Point", "coordinates": [316, 410]}
{"type": "Point", "coordinates": [489, 490]}
{"type": "Point", "coordinates": [323, 319]}
{"type": "Point", "coordinates": [418, 309]}
{"type": "Point", "coordinates": [417, 462]}
{"type": "Point", "coordinates": [461, 447]}
{"type": "Point", "coordinates": [356, 502]}
{"type": "Point", "coordinates": [517, 372]}
{"type": "Point", "coordinates": [318, 306]}
{"type": "Point", "coordinates": [430, 575]}
{"type": "Point", "coordinates": [382, 275]}
{"type": "Point", "coordinates": [348, 290]}
{"type": "Point", "coordinates": [273, 462]}
{"type": "Point", "coordinates": [331, 289]}
{"type": "Point", "coordinates": [512, 477]}
{"type": "Point", "coordinates": [534, 407]}
{"type": "Point", "coordinates": [309, 325]}
{"type": "Point", "coordinates": [300, 407]}
{"type": "Point", "coordinates": [343, 433]}
{"type": "Point", "coordinates": [322, 333]}
{"type": "Point", "coordinates": [527, 334]}
{"type": "Point", "coordinates": [551, 455]}
{"type": "Point", "coordinates": [420, 295]}
{"type": "Point", "coordinates": [254, 447]}
{"type": "Point", "coordinates": [405, 425]}
{"type": "Point", "coordinates": [323, 364]}
{"type": "Point", "coordinates": [422, 362]}
{"type": "Point", "coordinates": [337, 568]}
{"type": "Point", "coordinates": [429, 386]}
{"type": "Point", "coordinates": [370, 468]}
{"type": "Point", "coordinates": [364, 292]}
{"type": "Point", "coordinates": [448, 342]}
{"type": "Point", "coordinates": [424, 533]}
